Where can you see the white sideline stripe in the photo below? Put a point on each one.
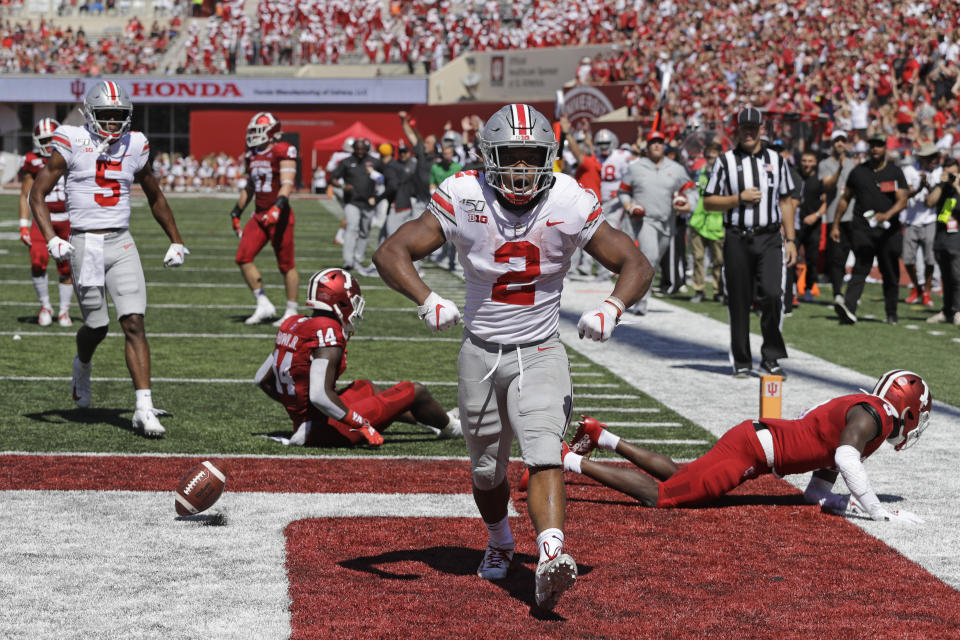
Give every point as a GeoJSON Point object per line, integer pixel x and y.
{"type": "Point", "coordinates": [618, 409]}
{"type": "Point", "coordinates": [427, 383]}
{"type": "Point", "coordinates": [608, 396]}
{"type": "Point", "coordinates": [644, 425]}
{"type": "Point", "coordinates": [34, 303]}
{"type": "Point", "coordinates": [253, 456]}
{"type": "Point", "coordinates": [231, 336]}
{"type": "Point", "coordinates": [587, 374]}
{"type": "Point", "coordinates": [651, 441]}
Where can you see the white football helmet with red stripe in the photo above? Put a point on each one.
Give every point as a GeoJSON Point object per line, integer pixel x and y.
{"type": "Point", "coordinates": [107, 110]}
{"type": "Point", "coordinates": [518, 148]}
{"type": "Point", "coordinates": [337, 291]}
{"type": "Point", "coordinates": [605, 141]}
{"type": "Point", "coordinates": [263, 129]}
{"type": "Point", "coordinates": [910, 397]}
{"type": "Point", "coordinates": [43, 135]}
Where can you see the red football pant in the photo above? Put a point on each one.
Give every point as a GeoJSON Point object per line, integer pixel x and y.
{"type": "Point", "coordinates": [39, 256]}
{"type": "Point", "coordinates": [736, 457]}
{"type": "Point", "coordinates": [255, 237]}
{"type": "Point", "coordinates": [381, 409]}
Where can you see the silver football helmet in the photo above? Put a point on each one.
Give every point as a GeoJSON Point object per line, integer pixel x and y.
{"type": "Point", "coordinates": [518, 148]}
{"type": "Point", "coordinates": [348, 144]}
{"type": "Point", "coordinates": [605, 141]}
{"type": "Point", "coordinates": [43, 135]}
{"type": "Point", "coordinates": [104, 103]}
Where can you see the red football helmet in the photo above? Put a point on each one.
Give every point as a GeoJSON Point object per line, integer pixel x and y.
{"type": "Point", "coordinates": [263, 129]}
{"type": "Point", "coordinates": [336, 290]}
{"type": "Point", "coordinates": [43, 135]}
{"type": "Point", "coordinates": [910, 397]}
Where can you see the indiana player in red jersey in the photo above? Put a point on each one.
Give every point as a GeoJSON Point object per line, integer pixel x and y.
{"type": "Point", "coordinates": [271, 169]}
{"type": "Point", "coordinates": [831, 438]}
{"type": "Point", "coordinates": [30, 234]}
{"type": "Point", "coordinates": [310, 354]}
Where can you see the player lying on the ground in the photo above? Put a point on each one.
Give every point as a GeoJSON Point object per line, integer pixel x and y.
{"type": "Point", "coordinates": [310, 354]}
{"type": "Point", "coordinates": [834, 436]}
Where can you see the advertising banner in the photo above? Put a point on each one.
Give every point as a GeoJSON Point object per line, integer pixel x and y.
{"type": "Point", "coordinates": [222, 90]}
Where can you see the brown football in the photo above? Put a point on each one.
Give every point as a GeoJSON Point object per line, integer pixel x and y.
{"type": "Point", "coordinates": [199, 489]}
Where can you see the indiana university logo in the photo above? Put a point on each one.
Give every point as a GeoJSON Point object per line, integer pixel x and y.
{"type": "Point", "coordinates": [77, 88]}
{"type": "Point", "coordinates": [772, 389]}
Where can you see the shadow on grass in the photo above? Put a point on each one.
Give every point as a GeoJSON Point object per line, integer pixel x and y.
{"type": "Point", "coordinates": [119, 418]}
{"type": "Point", "coordinates": [461, 561]}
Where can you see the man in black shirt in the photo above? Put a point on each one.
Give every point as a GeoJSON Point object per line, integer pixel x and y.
{"type": "Point", "coordinates": [356, 173]}
{"type": "Point", "coordinates": [946, 245]}
{"type": "Point", "coordinates": [880, 189]}
{"type": "Point", "coordinates": [813, 204]}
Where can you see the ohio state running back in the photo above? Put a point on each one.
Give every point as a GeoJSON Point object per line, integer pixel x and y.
{"type": "Point", "coordinates": [271, 167]}
{"type": "Point", "coordinates": [30, 234]}
{"type": "Point", "coordinates": [515, 226]}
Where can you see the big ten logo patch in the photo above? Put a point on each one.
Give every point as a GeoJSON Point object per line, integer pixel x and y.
{"type": "Point", "coordinates": [474, 210]}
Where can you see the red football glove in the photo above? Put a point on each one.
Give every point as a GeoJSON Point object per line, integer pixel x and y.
{"type": "Point", "coordinates": [638, 211]}
{"type": "Point", "coordinates": [236, 227]}
{"type": "Point", "coordinates": [362, 425]}
{"type": "Point", "coordinates": [270, 217]}
{"type": "Point", "coordinates": [25, 236]}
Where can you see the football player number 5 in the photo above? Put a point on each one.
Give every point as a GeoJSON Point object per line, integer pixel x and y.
{"type": "Point", "coordinates": [112, 198]}
{"type": "Point", "coordinates": [524, 294]}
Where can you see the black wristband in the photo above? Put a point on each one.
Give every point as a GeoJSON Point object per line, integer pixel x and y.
{"type": "Point", "coordinates": [793, 240]}
{"type": "Point", "coordinates": [281, 203]}
{"type": "Point", "coordinates": [236, 212]}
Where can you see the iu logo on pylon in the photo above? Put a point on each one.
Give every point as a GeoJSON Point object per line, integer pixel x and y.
{"type": "Point", "coordinates": [772, 389]}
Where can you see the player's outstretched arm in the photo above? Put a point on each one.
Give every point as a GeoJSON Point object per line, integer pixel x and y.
{"type": "Point", "coordinates": [862, 427]}
{"type": "Point", "coordinates": [163, 215]}
{"type": "Point", "coordinates": [615, 251]}
{"type": "Point", "coordinates": [323, 394]}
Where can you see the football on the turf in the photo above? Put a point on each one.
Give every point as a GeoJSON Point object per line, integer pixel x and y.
{"type": "Point", "coordinates": [199, 489]}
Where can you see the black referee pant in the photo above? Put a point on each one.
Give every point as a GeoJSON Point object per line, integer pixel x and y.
{"type": "Point", "coordinates": [885, 245]}
{"type": "Point", "coordinates": [836, 258]}
{"type": "Point", "coordinates": [753, 263]}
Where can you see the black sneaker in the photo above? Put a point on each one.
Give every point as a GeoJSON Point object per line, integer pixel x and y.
{"type": "Point", "coordinates": [741, 372]}
{"type": "Point", "coordinates": [697, 297]}
{"type": "Point", "coordinates": [843, 312]}
{"type": "Point", "coordinates": [773, 368]}
{"type": "Point", "coordinates": [891, 319]}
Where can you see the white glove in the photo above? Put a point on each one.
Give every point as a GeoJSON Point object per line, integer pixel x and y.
{"type": "Point", "coordinates": [175, 255]}
{"type": "Point", "coordinates": [598, 325]}
{"type": "Point", "coordinates": [59, 248]}
{"type": "Point", "coordinates": [439, 313]}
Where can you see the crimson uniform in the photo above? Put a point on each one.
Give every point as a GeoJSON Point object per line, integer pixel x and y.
{"type": "Point", "coordinates": [56, 201]}
{"type": "Point", "coordinates": [805, 444]}
{"type": "Point", "coordinates": [263, 171]}
{"type": "Point", "coordinates": [293, 352]}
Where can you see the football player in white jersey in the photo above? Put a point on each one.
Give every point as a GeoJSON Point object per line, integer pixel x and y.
{"type": "Point", "coordinates": [99, 162]}
{"type": "Point", "coordinates": [515, 226]}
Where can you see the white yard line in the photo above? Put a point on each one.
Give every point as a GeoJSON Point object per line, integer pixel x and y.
{"type": "Point", "coordinates": [681, 359]}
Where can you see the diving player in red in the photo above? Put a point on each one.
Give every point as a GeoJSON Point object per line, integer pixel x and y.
{"type": "Point", "coordinates": [30, 234]}
{"type": "Point", "coordinates": [310, 354]}
{"type": "Point", "coordinates": [271, 170]}
{"type": "Point", "coordinates": [831, 438]}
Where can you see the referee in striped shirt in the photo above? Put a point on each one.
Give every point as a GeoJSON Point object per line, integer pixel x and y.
{"type": "Point", "coordinates": [750, 184]}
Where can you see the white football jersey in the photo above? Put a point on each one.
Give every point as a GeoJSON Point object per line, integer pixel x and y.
{"type": "Point", "coordinates": [612, 171]}
{"type": "Point", "coordinates": [514, 264]}
{"type": "Point", "coordinates": [98, 184]}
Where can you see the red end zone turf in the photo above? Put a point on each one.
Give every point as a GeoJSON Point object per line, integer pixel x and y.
{"type": "Point", "coordinates": [759, 563]}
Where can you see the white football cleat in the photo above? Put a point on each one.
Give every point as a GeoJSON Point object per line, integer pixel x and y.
{"type": "Point", "coordinates": [45, 316]}
{"type": "Point", "coordinates": [146, 421]}
{"type": "Point", "coordinates": [81, 382]}
{"type": "Point", "coordinates": [64, 319]}
{"type": "Point", "coordinates": [453, 429]}
{"type": "Point", "coordinates": [286, 314]}
{"type": "Point", "coordinates": [496, 563]}
{"type": "Point", "coordinates": [553, 578]}
{"type": "Point", "coordinates": [264, 311]}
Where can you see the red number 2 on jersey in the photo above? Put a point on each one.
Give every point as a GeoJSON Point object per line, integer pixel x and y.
{"type": "Point", "coordinates": [523, 295]}
{"type": "Point", "coordinates": [103, 181]}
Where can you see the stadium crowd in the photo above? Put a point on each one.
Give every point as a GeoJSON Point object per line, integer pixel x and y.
{"type": "Point", "coordinates": [46, 48]}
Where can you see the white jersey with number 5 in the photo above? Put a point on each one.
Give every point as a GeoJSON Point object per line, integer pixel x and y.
{"type": "Point", "coordinates": [98, 184]}
{"type": "Point", "coordinates": [514, 264]}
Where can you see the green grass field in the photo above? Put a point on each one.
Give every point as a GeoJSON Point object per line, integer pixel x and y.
{"type": "Point", "coordinates": [204, 357]}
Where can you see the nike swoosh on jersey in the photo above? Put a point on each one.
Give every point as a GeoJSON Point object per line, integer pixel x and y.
{"type": "Point", "coordinates": [543, 348]}
{"type": "Point", "coordinates": [551, 223]}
